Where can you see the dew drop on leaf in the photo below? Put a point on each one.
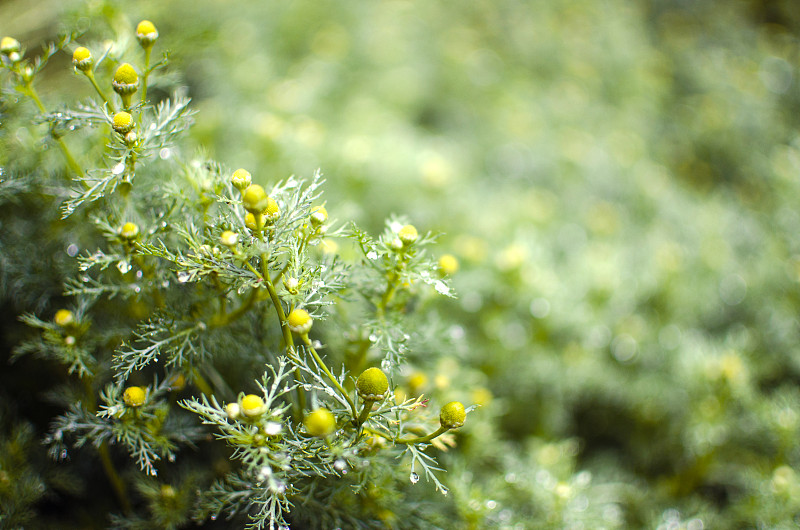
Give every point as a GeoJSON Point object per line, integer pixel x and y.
{"type": "Point", "coordinates": [414, 478]}
{"type": "Point", "coordinates": [444, 491]}
{"type": "Point", "coordinates": [386, 364]}
{"type": "Point", "coordinates": [118, 169]}
{"type": "Point", "coordinates": [183, 276]}
{"type": "Point", "coordinates": [123, 266]}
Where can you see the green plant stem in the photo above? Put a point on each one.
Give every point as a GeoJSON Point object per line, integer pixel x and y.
{"type": "Point", "coordinates": [223, 319]}
{"type": "Point", "coordinates": [71, 162]}
{"type": "Point", "coordinates": [422, 439]}
{"type": "Point", "coordinates": [287, 333]}
{"type": "Point", "coordinates": [362, 418]}
{"type": "Point", "coordinates": [332, 378]}
{"type": "Point", "coordinates": [113, 477]}
{"type": "Point", "coordinates": [90, 75]}
{"type": "Point", "coordinates": [146, 72]}
{"type": "Point", "coordinates": [105, 455]}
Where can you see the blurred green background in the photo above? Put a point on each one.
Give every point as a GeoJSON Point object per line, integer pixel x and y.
{"type": "Point", "coordinates": [619, 181]}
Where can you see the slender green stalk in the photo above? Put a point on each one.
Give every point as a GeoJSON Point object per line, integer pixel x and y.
{"type": "Point", "coordinates": [71, 162]}
{"type": "Point", "coordinates": [105, 455]}
{"type": "Point", "coordinates": [422, 439]}
{"type": "Point", "coordinates": [330, 375]}
{"type": "Point", "coordinates": [146, 73]}
{"type": "Point", "coordinates": [90, 75]}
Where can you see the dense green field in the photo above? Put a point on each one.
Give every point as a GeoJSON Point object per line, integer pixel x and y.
{"type": "Point", "coordinates": [619, 182]}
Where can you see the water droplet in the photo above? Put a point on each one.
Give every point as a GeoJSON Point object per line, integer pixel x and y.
{"type": "Point", "coordinates": [183, 276]}
{"type": "Point", "coordinates": [118, 169]}
{"type": "Point", "coordinates": [307, 388]}
{"type": "Point", "coordinates": [339, 465]}
{"type": "Point", "coordinates": [386, 364]}
{"type": "Point", "coordinates": [123, 266]}
{"type": "Point", "coordinates": [165, 284]}
{"type": "Point", "coordinates": [72, 250]}
{"type": "Point", "coordinates": [372, 255]}
{"type": "Point", "coordinates": [139, 274]}
{"type": "Point", "coordinates": [373, 338]}
{"type": "Point", "coordinates": [171, 457]}
{"type": "Point", "coordinates": [444, 491]}
{"type": "Point", "coordinates": [414, 478]}
{"type": "Point", "coordinates": [214, 517]}
{"type": "Point", "coordinates": [242, 289]}
{"type": "Point", "coordinates": [164, 153]}
{"type": "Point", "coordinates": [137, 288]}
{"type": "Point", "coordinates": [63, 454]}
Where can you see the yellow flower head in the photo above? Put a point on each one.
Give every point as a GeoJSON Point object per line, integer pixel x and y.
{"type": "Point", "coordinates": [320, 423]}
{"type": "Point", "coordinates": [134, 396]}
{"type": "Point", "coordinates": [408, 234]}
{"type": "Point", "coordinates": [255, 199]}
{"type": "Point", "coordinates": [241, 179]}
{"type": "Point", "coordinates": [129, 230]}
{"type": "Point", "coordinates": [300, 321]}
{"type": "Point", "coordinates": [252, 405]}
{"type": "Point", "coordinates": [64, 317]}
{"type": "Point", "coordinates": [82, 59]}
{"type": "Point", "coordinates": [125, 80]}
{"type": "Point", "coordinates": [372, 384]}
{"type": "Point", "coordinates": [146, 33]}
{"type": "Point", "coordinates": [122, 122]}
{"type": "Point", "coordinates": [452, 415]}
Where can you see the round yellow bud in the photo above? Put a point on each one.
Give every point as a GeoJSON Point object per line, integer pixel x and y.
{"type": "Point", "coordinates": [9, 45]}
{"type": "Point", "coordinates": [134, 396]}
{"type": "Point", "coordinates": [416, 382]}
{"type": "Point", "coordinates": [320, 423]}
{"type": "Point", "coordinates": [251, 222]}
{"type": "Point", "coordinates": [300, 321]}
{"type": "Point", "coordinates": [125, 80]}
{"type": "Point", "coordinates": [408, 234]}
{"type": "Point", "coordinates": [64, 317]}
{"type": "Point", "coordinates": [146, 33]}
{"type": "Point", "coordinates": [122, 122]}
{"type": "Point", "coordinates": [129, 230]}
{"type": "Point", "coordinates": [255, 199]}
{"type": "Point", "coordinates": [319, 216]}
{"type": "Point", "coordinates": [452, 415]}
{"type": "Point", "coordinates": [229, 238]}
{"type": "Point", "coordinates": [272, 211]}
{"type": "Point", "coordinates": [252, 405]}
{"type": "Point", "coordinates": [372, 384]}
{"type": "Point", "coordinates": [82, 59]}
{"type": "Point", "coordinates": [241, 179]}
{"type": "Point", "coordinates": [448, 264]}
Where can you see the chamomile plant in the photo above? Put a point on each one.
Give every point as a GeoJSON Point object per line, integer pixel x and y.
{"type": "Point", "coordinates": [211, 309]}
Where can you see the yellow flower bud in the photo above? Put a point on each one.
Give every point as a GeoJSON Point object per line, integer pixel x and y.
{"type": "Point", "coordinates": [146, 33]}
{"type": "Point", "coordinates": [253, 223]}
{"type": "Point", "coordinates": [64, 317]}
{"type": "Point", "coordinates": [229, 238]}
{"type": "Point", "coordinates": [122, 122]}
{"type": "Point", "coordinates": [134, 396]}
{"type": "Point", "coordinates": [82, 59]}
{"type": "Point", "coordinates": [452, 415]}
{"type": "Point", "coordinates": [125, 80]}
{"type": "Point", "coordinates": [272, 211]}
{"type": "Point", "coordinates": [320, 423]}
{"type": "Point", "coordinates": [408, 234]}
{"type": "Point", "coordinates": [129, 230]}
{"type": "Point", "coordinates": [241, 179]}
{"type": "Point", "coordinates": [255, 199]}
{"type": "Point", "coordinates": [300, 321]}
{"type": "Point", "coordinates": [448, 264]}
{"type": "Point", "coordinates": [9, 45]}
{"type": "Point", "coordinates": [319, 216]}
{"type": "Point", "coordinates": [252, 405]}
{"type": "Point", "coordinates": [372, 384]}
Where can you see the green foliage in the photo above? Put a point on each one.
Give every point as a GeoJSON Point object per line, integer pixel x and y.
{"type": "Point", "coordinates": [618, 183]}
